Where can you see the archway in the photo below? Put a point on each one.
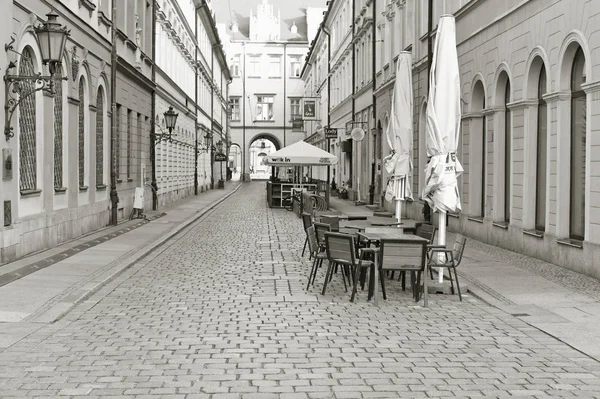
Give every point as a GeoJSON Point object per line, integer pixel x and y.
{"type": "Point", "coordinates": [235, 161]}
{"type": "Point", "coordinates": [259, 148]}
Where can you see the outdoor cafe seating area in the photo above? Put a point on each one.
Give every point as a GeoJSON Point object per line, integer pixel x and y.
{"type": "Point", "coordinates": [367, 252]}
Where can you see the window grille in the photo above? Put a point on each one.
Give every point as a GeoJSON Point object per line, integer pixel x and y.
{"type": "Point", "coordinates": [27, 125]}
{"type": "Point", "coordinates": [81, 135]}
{"type": "Point", "coordinates": [100, 137]}
{"type": "Point", "coordinates": [128, 149]}
{"type": "Point", "coordinates": [58, 133]}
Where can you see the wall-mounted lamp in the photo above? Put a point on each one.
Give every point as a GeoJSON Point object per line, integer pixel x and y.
{"type": "Point", "coordinates": [170, 121]}
{"type": "Point", "coordinates": [207, 147]}
{"type": "Point", "coordinates": [51, 37]}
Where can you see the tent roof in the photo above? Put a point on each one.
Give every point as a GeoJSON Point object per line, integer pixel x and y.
{"type": "Point", "coordinates": [300, 153]}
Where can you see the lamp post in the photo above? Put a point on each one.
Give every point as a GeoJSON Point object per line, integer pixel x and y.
{"type": "Point", "coordinates": [219, 146]}
{"type": "Point", "coordinates": [51, 37]}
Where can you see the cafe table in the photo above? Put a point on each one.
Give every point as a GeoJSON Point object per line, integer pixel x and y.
{"type": "Point", "coordinates": [376, 234]}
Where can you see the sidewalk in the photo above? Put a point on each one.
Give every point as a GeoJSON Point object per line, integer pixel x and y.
{"type": "Point", "coordinates": [558, 301]}
{"type": "Point", "coordinates": [40, 288]}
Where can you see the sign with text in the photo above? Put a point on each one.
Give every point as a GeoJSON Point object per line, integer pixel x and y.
{"type": "Point", "coordinates": [220, 157]}
{"type": "Point", "coordinates": [331, 133]}
{"type": "Point", "coordinates": [309, 109]}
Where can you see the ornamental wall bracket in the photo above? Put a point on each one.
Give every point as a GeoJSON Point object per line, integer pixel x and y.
{"type": "Point", "coordinates": [15, 93]}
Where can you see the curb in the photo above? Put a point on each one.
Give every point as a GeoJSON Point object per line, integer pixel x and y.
{"type": "Point", "coordinates": [84, 289]}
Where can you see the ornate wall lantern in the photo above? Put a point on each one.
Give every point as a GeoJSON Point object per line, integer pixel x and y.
{"type": "Point", "coordinates": [51, 37]}
{"type": "Point", "coordinates": [170, 122]}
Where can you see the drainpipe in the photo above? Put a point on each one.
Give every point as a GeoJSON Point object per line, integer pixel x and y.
{"type": "Point", "coordinates": [244, 113]}
{"type": "Point", "coordinates": [353, 82]}
{"type": "Point", "coordinates": [153, 183]}
{"type": "Point", "coordinates": [212, 120]}
{"type": "Point", "coordinates": [328, 109]}
{"type": "Point", "coordinates": [284, 89]}
{"type": "Point", "coordinates": [196, 105]}
{"type": "Point", "coordinates": [114, 196]}
{"type": "Point", "coordinates": [429, 41]}
{"type": "Point", "coordinates": [374, 83]}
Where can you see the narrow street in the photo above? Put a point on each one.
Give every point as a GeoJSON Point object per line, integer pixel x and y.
{"type": "Point", "coordinates": [221, 311]}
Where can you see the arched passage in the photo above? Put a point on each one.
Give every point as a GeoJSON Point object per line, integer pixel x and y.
{"type": "Point", "coordinates": [260, 146]}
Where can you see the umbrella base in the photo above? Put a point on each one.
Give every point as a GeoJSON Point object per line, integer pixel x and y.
{"type": "Point", "coordinates": [433, 287]}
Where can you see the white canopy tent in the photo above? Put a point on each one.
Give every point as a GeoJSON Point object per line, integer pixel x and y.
{"type": "Point", "coordinates": [300, 154]}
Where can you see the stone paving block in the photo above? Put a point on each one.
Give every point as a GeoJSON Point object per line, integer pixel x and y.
{"type": "Point", "coordinates": [220, 315]}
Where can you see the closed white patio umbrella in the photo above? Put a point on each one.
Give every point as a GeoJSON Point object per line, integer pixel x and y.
{"type": "Point", "coordinates": [443, 127]}
{"type": "Point", "coordinates": [400, 134]}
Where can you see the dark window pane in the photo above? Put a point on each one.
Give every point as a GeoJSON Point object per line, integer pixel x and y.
{"type": "Point", "coordinates": [27, 125]}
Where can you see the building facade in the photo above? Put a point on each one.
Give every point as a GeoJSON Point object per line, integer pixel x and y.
{"type": "Point", "coordinates": [265, 52]}
{"type": "Point", "coordinates": [58, 186]}
{"type": "Point", "coordinates": [57, 169]}
{"type": "Point", "coordinates": [527, 135]}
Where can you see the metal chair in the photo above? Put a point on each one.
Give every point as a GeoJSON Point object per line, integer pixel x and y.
{"type": "Point", "coordinates": [341, 251]}
{"type": "Point", "coordinates": [332, 221]}
{"type": "Point", "coordinates": [317, 255]}
{"type": "Point", "coordinates": [320, 230]}
{"type": "Point", "coordinates": [450, 260]}
{"type": "Point", "coordinates": [306, 222]}
{"type": "Point", "coordinates": [405, 256]}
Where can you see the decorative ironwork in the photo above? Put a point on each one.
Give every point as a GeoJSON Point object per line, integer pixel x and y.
{"type": "Point", "coordinates": [81, 135]}
{"type": "Point", "coordinates": [100, 137]}
{"type": "Point", "coordinates": [58, 134]}
{"type": "Point", "coordinates": [27, 120]}
{"type": "Point", "coordinates": [74, 63]}
{"type": "Point", "coordinates": [7, 213]}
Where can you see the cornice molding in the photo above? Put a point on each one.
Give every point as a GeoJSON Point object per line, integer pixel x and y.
{"type": "Point", "coordinates": [522, 104]}
{"type": "Point", "coordinates": [492, 110]}
{"type": "Point", "coordinates": [557, 96]}
{"type": "Point", "coordinates": [591, 87]}
{"type": "Point", "coordinates": [472, 115]}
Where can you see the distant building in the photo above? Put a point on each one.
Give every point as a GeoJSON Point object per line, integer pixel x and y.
{"type": "Point", "coordinates": [266, 45]}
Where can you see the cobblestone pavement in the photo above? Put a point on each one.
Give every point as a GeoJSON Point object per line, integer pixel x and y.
{"type": "Point", "coordinates": [222, 313]}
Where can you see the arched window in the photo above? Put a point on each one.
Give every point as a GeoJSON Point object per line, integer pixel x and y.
{"type": "Point", "coordinates": [27, 125]}
{"type": "Point", "coordinates": [58, 132]}
{"type": "Point", "coordinates": [81, 141]}
{"type": "Point", "coordinates": [507, 153]}
{"type": "Point", "coordinates": [478, 167]}
{"type": "Point", "coordinates": [578, 127]}
{"type": "Point", "coordinates": [542, 155]}
{"type": "Point", "coordinates": [100, 137]}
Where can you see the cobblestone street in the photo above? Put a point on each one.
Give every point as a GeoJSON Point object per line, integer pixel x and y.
{"type": "Point", "coordinates": [222, 312]}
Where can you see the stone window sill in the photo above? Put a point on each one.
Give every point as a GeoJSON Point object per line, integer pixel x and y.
{"type": "Point", "coordinates": [129, 179]}
{"type": "Point", "coordinates": [101, 187]}
{"type": "Point", "coordinates": [477, 219]}
{"type": "Point", "coordinates": [502, 225]}
{"type": "Point", "coordinates": [60, 190]}
{"type": "Point", "coordinates": [534, 233]}
{"type": "Point", "coordinates": [569, 242]}
{"type": "Point", "coordinates": [453, 215]}
{"type": "Point", "coordinates": [34, 192]}
{"type": "Point", "coordinates": [119, 180]}
{"type": "Point", "coordinates": [83, 188]}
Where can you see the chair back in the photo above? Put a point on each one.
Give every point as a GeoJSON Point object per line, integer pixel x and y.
{"type": "Point", "coordinates": [332, 221]}
{"type": "Point", "coordinates": [306, 220]}
{"type": "Point", "coordinates": [313, 244]}
{"type": "Point", "coordinates": [402, 254]}
{"type": "Point", "coordinates": [460, 242]}
{"type": "Point", "coordinates": [427, 231]}
{"type": "Point", "coordinates": [320, 230]}
{"type": "Point", "coordinates": [340, 248]}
